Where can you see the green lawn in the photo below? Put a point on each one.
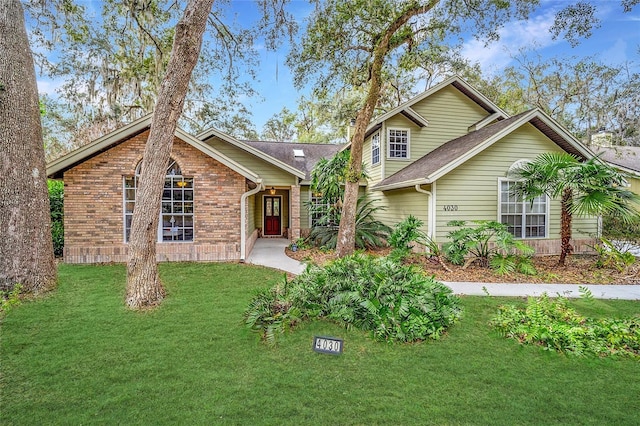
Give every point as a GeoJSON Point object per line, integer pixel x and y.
{"type": "Point", "coordinates": [79, 357]}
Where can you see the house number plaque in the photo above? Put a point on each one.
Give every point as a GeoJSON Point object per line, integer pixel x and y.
{"type": "Point", "coordinates": [450, 207]}
{"type": "Point", "coordinates": [328, 345]}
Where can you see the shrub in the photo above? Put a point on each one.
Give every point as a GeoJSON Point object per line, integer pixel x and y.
{"type": "Point", "coordinates": [56, 204]}
{"type": "Point", "coordinates": [369, 231]}
{"type": "Point", "coordinates": [392, 301]}
{"type": "Point", "coordinates": [552, 324]}
{"type": "Point", "coordinates": [490, 244]}
{"type": "Point", "coordinates": [615, 228]}
{"type": "Point", "coordinates": [610, 256]}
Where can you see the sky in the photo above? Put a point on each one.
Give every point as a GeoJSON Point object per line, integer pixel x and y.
{"type": "Point", "coordinates": [615, 42]}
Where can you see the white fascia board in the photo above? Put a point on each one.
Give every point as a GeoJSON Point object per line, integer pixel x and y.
{"type": "Point", "coordinates": [417, 117]}
{"type": "Point", "coordinates": [401, 185]}
{"type": "Point", "coordinates": [98, 145]}
{"type": "Point", "coordinates": [478, 149]}
{"type": "Point", "coordinates": [269, 159]}
{"type": "Point", "coordinates": [215, 154]}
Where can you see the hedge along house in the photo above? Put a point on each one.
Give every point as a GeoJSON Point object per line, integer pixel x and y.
{"type": "Point", "coordinates": [220, 194]}
{"type": "Point", "coordinates": [446, 154]}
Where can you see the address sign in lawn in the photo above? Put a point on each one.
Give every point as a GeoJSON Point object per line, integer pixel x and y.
{"type": "Point", "coordinates": [328, 345]}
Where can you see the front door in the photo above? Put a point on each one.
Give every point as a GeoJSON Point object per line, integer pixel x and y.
{"type": "Point", "coordinates": [272, 214]}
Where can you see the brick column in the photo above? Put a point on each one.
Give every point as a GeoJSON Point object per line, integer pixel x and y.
{"type": "Point", "coordinates": [294, 232]}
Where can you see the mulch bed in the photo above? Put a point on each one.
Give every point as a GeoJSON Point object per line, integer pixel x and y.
{"type": "Point", "coordinates": [579, 269]}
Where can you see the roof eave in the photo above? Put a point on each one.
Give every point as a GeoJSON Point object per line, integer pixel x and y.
{"type": "Point", "coordinates": [238, 144]}
{"type": "Point", "coordinates": [59, 165]}
{"type": "Point", "coordinates": [402, 185]}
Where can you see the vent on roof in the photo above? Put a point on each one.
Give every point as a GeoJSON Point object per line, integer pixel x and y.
{"type": "Point", "coordinates": [298, 153]}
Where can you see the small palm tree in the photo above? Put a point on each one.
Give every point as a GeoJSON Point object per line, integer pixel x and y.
{"type": "Point", "coordinates": [589, 188]}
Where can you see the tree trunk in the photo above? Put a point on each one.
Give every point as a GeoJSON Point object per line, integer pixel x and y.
{"type": "Point", "coordinates": [347, 232]}
{"type": "Point", "coordinates": [565, 226]}
{"type": "Point", "coordinates": [144, 288]}
{"type": "Point", "coordinates": [26, 247]}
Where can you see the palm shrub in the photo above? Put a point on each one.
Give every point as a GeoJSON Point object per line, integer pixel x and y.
{"type": "Point", "coordinates": [554, 325]}
{"type": "Point", "coordinates": [490, 244]}
{"type": "Point", "coordinates": [394, 302]}
{"type": "Point", "coordinates": [370, 232]}
{"type": "Point", "coordinates": [588, 188]}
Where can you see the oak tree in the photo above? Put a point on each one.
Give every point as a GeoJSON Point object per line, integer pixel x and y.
{"type": "Point", "coordinates": [26, 248]}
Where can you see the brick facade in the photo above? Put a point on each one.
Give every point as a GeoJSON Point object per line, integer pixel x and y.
{"type": "Point", "coordinates": [93, 205]}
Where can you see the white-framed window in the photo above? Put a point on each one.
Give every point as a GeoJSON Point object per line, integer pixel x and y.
{"type": "Point", "coordinates": [318, 208]}
{"type": "Point", "coordinates": [525, 219]}
{"type": "Point", "coordinates": [398, 143]}
{"type": "Point", "coordinates": [176, 214]}
{"type": "Point", "coordinates": [375, 148]}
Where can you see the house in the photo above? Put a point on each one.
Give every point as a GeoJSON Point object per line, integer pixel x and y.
{"type": "Point", "coordinates": [624, 158]}
{"type": "Point", "coordinates": [444, 155]}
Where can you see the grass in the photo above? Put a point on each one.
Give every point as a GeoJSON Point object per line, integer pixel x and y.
{"type": "Point", "coordinates": [79, 357]}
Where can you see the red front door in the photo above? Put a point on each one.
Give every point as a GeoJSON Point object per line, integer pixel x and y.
{"type": "Point", "coordinates": [272, 214]}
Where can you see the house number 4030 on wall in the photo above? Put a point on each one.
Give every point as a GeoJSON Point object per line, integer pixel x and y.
{"type": "Point", "coordinates": [450, 208]}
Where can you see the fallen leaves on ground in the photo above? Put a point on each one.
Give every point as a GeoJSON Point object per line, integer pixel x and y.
{"type": "Point", "coordinates": [579, 269]}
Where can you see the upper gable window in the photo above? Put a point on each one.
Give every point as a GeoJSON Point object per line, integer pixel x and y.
{"type": "Point", "coordinates": [375, 149]}
{"type": "Point", "coordinates": [398, 143]}
{"type": "Point", "coordinates": [176, 216]}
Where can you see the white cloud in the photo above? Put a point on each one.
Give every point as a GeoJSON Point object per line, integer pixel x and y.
{"type": "Point", "coordinates": [532, 34]}
{"type": "Point", "coordinates": [49, 87]}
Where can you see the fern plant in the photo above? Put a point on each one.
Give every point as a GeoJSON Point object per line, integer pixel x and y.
{"type": "Point", "coordinates": [393, 302]}
{"type": "Point", "coordinates": [490, 244]}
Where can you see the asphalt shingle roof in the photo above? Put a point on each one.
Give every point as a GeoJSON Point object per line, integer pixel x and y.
{"type": "Point", "coordinates": [283, 151]}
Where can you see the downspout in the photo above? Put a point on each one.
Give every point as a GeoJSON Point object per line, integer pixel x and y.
{"type": "Point", "coordinates": [430, 212]}
{"type": "Point", "coordinates": [243, 217]}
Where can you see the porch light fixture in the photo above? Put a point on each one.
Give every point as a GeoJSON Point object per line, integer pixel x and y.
{"type": "Point", "coordinates": [272, 191]}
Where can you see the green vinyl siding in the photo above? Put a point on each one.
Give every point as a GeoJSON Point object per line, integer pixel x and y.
{"type": "Point", "coordinates": [305, 196]}
{"type": "Point", "coordinates": [401, 203]}
{"type": "Point", "coordinates": [470, 192]}
{"type": "Point", "coordinates": [635, 187]}
{"type": "Point", "coordinates": [251, 215]}
{"type": "Point", "coordinates": [374, 172]}
{"type": "Point", "coordinates": [449, 113]}
{"type": "Point", "coordinates": [270, 174]}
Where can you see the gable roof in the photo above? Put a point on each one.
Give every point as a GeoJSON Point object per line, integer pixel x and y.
{"type": "Point", "coordinates": [285, 152]}
{"type": "Point", "coordinates": [455, 81]}
{"type": "Point", "coordinates": [455, 152]}
{"type": "Point", "coordinates": [56, 168]}
{"type": "Point", "coordinates": [252, 150]}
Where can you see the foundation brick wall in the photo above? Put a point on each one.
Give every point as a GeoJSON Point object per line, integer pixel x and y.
{"type": "Point", "coordinates": [93, 205]}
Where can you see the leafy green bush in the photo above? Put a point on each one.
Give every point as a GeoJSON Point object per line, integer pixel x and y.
{"type": "Point", "coordinates": [393, 301]}
{"type": "Point", "coordinates": [404, 234]}
{"type": "Point", "coordinates": [56, 204]}
{"type": "Point", "coordinates": [552, 324]}
{"type": "Point", "coordinates": [610, 256]}
{"type": "Point", "coordinates": [369, 231]}
{"type": "Point", "coordinates": [490, 244]}
{"type": "Point", "coordinates": [616, 228]}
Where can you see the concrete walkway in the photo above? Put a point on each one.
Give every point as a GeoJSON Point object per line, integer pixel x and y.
{"type": "Point", "coordinates": [270, 252]}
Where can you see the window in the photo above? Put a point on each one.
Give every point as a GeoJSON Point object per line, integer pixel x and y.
{"type": "Point", "coordinates": [176, 216]}
{"type": "Point", "coordinates": [525, 219]}
{"type": "Point", "coordinates": [398, 143]}
{"type": "Point", "coordinates": [317, 209]}
{"type": "Point", "coordinates": [375, 148]}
